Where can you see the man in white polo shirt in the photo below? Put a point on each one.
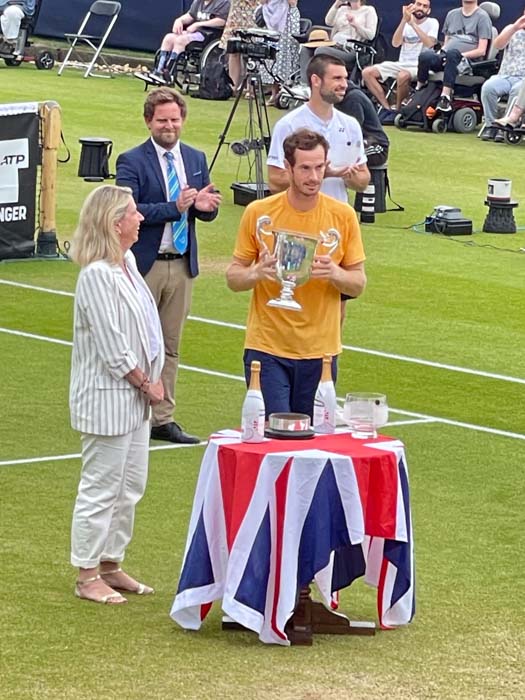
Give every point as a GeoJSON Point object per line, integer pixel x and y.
{"type": "Point", "coordinates": [347, 168]}
{"type": "Point", "coordinates": [417, 30]}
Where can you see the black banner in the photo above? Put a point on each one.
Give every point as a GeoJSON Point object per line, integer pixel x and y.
{"type": "Point", "coordinates": [19, 158]}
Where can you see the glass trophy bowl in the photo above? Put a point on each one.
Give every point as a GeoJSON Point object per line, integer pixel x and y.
{"type": "Point", "coordinates": [294, 252]}
{"type": "Point", "coordinates": [364, 412]}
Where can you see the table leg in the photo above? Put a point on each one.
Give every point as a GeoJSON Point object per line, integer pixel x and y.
{"type": "Point", "coordinates": [311, 617]}
{"type": "Point", "coordinates": [299, 627]}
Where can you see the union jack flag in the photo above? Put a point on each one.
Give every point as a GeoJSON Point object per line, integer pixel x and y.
{"type": "Point", "coordinates": [267, 521]}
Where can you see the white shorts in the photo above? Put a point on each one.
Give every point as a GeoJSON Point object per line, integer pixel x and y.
{"type": "Point", "coordinates": [391, 69]}
{"type": "Point", "coordinates": [10, 21]}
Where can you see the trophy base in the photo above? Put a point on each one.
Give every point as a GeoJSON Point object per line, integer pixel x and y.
{"type": "Point", "coordinates": [290, 304]}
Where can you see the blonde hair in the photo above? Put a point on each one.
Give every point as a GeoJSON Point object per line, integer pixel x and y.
{"type": "Point", "coordinates": [96, 236]}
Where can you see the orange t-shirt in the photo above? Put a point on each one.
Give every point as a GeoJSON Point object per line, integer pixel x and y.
{"type": "Point", "coordinates": [315, 330]}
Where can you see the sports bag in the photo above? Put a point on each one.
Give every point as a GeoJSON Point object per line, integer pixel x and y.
{"type": "Point", "coordinates": [215, 83]}
{"type": "Point", "coordinates": [416, 107]}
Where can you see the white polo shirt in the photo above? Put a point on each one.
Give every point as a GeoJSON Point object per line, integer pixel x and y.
{"type": "Point", "coordinates": [344, 137]}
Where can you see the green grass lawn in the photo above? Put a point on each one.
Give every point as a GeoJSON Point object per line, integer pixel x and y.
{"type": "Point", "coordinates": [440, 329]}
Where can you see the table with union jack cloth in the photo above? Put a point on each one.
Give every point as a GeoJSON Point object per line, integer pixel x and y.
{"type": "Point", "coordinates": [271, 517]}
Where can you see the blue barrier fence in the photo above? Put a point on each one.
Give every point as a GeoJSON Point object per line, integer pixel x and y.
{"type": "Point", "coordinates": [142, 25]}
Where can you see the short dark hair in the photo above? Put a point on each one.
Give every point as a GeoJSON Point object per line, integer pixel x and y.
{"type": "Point", "coordinates": [303, 140]}
{"type": "Point", "coordinates": [319, 64]}
{"type": "Point", "coordinates": [161, 96]}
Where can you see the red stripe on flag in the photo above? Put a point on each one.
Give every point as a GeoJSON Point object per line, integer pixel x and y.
{"type": "Point", "coordinates": [381, 591]}
{"type": "Point", "coordinates": [205, 609]}
{"type": "Point", "coordinates": [238, 474]}
{"type": "Point", "coordinates": [281, 488]}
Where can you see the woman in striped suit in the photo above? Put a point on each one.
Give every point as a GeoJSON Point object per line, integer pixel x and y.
{"type": "Point", "coordinates": [118, 353]}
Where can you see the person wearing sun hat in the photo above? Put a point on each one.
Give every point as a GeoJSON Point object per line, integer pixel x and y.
{"type": "Point", "coordinates": [349, 19]}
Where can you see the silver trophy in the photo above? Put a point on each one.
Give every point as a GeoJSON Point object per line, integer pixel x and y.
{"type": "Point", "coordinates": [294, 252]}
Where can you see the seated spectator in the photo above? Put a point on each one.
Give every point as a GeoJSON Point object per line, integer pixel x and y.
{"type": "Point", "coordinates": [349, 19]}
{"type": "Point", "coordinates": [509, 78]}
{"type": "Point", "coordinates": [515, 116]}
{"type": "Point", "coordinates": [203, 14]}
{"type": "Point", "coordinates": [357, 104]}
{"type": "Point", "coordinates": [417, 30]}
{"type": "Point", "coordinates": [467, 31]}
{"type": "Point", "coordinates": [12, 12]}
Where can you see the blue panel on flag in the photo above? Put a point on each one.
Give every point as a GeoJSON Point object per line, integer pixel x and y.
{"type": "Point", "coordinates": [197, 570]}
{"type": "Point", "coordinates": [349, 564]}
{"type": "Point", "coordinates": [324, 527]}
{"type": "Point", "coordinates": [254, 582]}
{"type": "Point", "coordinates": [398, 553]}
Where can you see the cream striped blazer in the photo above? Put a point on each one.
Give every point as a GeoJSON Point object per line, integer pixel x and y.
{"type": "Point", "coordinates": [110, 338]}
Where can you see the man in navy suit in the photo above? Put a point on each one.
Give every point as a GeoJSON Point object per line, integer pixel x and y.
{"type": "Point", "coordinates": [171, 185]}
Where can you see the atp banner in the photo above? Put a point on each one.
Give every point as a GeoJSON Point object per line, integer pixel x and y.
{"type": "Point", "coordinates": [19, 161]}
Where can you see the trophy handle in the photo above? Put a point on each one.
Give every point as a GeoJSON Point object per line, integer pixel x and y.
{"type": "Point", "coordinates": [260, 232]}
{"type": "Point", "coordinates": [330, 239]}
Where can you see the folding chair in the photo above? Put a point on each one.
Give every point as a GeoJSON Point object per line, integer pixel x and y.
{"type": "Point", "coordinates": [100, 12]}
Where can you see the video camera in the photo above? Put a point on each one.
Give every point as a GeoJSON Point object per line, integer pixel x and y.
{"type": "Point", "coordinates": [257, 44]}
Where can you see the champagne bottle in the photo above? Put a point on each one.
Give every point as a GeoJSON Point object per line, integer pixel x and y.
{"type": "Point", "coordinates": [325, 403]}
{"type": "Point", "coordinates": [253, 411]}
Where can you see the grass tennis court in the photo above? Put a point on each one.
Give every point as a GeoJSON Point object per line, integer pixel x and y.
{"type": "Point", "coordinates": [440, 329]}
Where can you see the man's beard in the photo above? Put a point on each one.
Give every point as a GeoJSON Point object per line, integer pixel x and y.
{"type": "Point", "coordinates": [330, 97]}
{"type": "Point", "coordinates": [419, 14]}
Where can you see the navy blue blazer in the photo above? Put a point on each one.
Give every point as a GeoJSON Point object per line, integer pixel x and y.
{"type": "Point", "coordinates": [140, 170]}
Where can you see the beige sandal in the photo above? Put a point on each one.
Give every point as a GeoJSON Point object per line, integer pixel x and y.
{"type": "Point", "coordinates": [114, 598]}
{"type": "Point", "coordinates": [141, 589]}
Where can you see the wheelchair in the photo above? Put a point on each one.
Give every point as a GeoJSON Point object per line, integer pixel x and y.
{"type": "Point", "coordinates": [514, 135]}
{"type": "Point", "coordinates": [185, 72]}
{"type": "Point", "coordinates": [467, 111]}
{"type": "Point", "coordinates": [43, 59]}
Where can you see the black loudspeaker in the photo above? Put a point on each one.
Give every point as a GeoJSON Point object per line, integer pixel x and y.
{"type": "Point", "coordinates": [94, 159]}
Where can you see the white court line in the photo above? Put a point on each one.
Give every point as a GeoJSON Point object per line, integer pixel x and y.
{"type": "Point", "coordinates": [352, 348]}
{"type": "Point", "coordinates": [157, 448]}
{"type": "Point", "coordinates": [77, 455]}
{"type": "Point", "coordinates": [410, 422]}
{"type": "Point", "coordinates": [224, 375]}
{"type": "Point", "coordinates": [37, 289]}
{"type": "Point", "coordinates": [34, 336]}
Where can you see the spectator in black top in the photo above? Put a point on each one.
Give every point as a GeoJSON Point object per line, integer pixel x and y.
{"type": "Point", "coordinates": [358, 105]}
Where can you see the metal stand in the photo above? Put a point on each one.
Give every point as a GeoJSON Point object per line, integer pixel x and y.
{"type": "Point", "coordinates": [258, 137]}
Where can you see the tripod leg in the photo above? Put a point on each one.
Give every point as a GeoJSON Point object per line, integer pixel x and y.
{"type": "Point", "coordinates": [260, 109]}
{"type": "Point", "coordinates": [262, 113]}
{"type": "Point", "coordinates": [222, 136]}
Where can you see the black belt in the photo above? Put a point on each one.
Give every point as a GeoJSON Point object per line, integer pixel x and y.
{"type": "Point", "coordinates": [170, 256]}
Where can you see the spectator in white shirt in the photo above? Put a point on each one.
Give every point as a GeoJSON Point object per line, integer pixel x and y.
{"type": "Point", "coordinates": [417, 30]}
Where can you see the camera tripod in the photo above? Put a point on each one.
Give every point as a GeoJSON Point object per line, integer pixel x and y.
{"type": "Point", "coordinates": [258, 136]}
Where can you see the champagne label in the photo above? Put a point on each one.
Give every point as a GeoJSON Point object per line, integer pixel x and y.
{"type": "Point", "coordinates": [252, 428]}
{"type": "Point", "coordinates": [325, 405]}
{"type": "Point", "coordinates": [253, 416]}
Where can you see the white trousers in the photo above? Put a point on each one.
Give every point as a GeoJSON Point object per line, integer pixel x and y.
{"type": "Point", "coordinates": [112, 481]}
{"type": "Point", "coordinates": [10, 21]}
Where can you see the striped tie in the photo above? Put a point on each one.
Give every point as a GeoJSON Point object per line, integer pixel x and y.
{"type": "Point", "coordinates": [180, 227]}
